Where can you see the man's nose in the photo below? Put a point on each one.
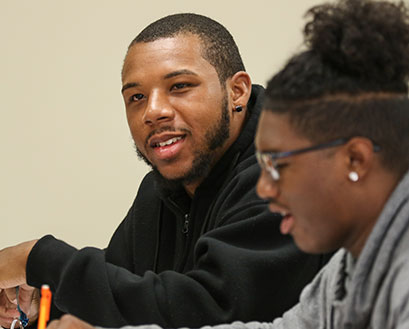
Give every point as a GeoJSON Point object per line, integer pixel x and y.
{"type": "Point", "coordinates": [267, 188]}
{"type": "Point", "coordinates": [158, 109]}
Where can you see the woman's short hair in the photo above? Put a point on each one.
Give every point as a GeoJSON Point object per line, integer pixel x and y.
{"type": "Point", "coordinates": [352, 79]}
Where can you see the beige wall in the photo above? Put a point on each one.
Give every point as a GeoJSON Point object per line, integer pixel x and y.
{"type": "Point", "coordinates": [67, 162]}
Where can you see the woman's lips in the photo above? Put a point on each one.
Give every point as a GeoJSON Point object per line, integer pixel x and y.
{"type": "Point", "coordinates": [287, 224]}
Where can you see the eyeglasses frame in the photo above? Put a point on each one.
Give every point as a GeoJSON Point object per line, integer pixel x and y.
{"type": "Point", "coordinates": [274, 156]}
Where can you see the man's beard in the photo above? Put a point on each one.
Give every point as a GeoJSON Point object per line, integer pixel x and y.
{"type": "Point", "coordinates": [203, 159]}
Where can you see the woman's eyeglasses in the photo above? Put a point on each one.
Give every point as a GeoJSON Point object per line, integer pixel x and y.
{"type": "Point", "coordinates": [268, 160]}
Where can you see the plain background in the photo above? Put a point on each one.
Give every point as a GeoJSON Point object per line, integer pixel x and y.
{"type": "Point", "coordinates": [68, 166]}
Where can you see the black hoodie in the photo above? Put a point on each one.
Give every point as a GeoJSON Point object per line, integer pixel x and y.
{"type": "Point", "coordinates": [176, 261]}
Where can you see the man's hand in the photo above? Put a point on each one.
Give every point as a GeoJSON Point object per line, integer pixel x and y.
{"type": "Point", "coordinates": [28, 299]}
{"type": "Point", "coordinates": [69, 322]}
{"type": "Point", "coordinates": [8, 308]}
{"type": "Point", "coordinates": [13, 261]}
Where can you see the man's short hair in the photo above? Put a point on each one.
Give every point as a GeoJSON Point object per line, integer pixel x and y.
{"type": "Point", "coordinates": [218, 45]}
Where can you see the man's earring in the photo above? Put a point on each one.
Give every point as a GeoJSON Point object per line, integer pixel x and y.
{"type": "Point", "coordinates": [353, 176]}
{"type": "Point", "coordinates": [238, 108]}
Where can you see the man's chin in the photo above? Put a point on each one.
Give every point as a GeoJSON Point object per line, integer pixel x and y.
{"type": "Point", "coordinates": [171, 172]}
{"type": "Point", "coordinates": [171, 177]}
{"type": "Point", "coordinates": [168, 183]}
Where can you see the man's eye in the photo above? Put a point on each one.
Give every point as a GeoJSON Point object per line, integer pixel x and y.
{"type": "Point", "coordinates": [136, 97]}
{"type": "Point", "coordinates": [180, 85]}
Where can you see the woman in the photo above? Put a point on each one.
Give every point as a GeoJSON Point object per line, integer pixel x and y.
{"type": "Point", "coordinates": [333, 142]}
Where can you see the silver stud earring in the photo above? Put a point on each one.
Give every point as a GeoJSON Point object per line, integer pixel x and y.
{"type": "Point", "coordinates": [353, 176]}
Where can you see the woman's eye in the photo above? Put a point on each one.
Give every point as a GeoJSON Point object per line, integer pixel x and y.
{"type": "Point", "coordinates": [280, 166]}
{"type": "Point", "coordinates": [136, 97]}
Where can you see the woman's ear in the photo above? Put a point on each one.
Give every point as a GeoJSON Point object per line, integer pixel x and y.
{"type": "Point", "coordinates": [239, 89]}
{"type": "Point", "coordinates": [360, 157]}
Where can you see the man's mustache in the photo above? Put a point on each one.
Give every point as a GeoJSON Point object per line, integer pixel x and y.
{"type": "Point", "coordinates": [163, 129]}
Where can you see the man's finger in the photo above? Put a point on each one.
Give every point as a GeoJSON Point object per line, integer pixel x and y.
{"type": "Point", "coordinates": [5, 322]}
{"type": "Point", "coordinates": [11, 295]}
{"type": "Point", "coordinates": [7, 308]}
{"type": "Point", "coordinates": [25, 297]}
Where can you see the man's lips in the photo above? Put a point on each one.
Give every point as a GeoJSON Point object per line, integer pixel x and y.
{"type": "Point", "coordinates": [164, 134]}
{"type": "Point", "coordinates": [166, 139]}
{"type": "Point", "coordinates": [166, 146]}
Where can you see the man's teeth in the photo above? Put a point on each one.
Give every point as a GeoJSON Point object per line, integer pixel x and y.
{"type": "Point", "coordinates": [168, 142]}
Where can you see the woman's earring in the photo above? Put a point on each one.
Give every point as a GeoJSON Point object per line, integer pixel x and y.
{"type": "Point", "coordinates": [238, 108]}
{"type": "Point", "coordinates": [353, 176]}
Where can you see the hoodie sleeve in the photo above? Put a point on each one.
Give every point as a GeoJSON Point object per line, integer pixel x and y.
{"type": "Point", "coordinates": [237, 275]}
{"type": "Point", "coordinates": [310, 313]}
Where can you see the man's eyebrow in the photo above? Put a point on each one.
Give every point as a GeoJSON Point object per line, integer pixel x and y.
{"type": "Point", "coordinates": [179, 72]}
{"type": "Point", "coordinates": [167, 76]}
{"type": "Point", "coordinates": [129, 85]}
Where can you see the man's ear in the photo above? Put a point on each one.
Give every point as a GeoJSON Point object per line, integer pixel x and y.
{"type": "Point", "coordinates": [239, 86]}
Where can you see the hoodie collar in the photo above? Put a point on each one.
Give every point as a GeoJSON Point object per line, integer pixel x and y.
{"type": "Point", "coordinates": [376, 257]}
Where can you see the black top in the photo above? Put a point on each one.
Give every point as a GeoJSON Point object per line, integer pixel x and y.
{"type": "Point", "coordinates": [176, 261]}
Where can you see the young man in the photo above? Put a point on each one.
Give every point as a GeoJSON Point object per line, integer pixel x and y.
{"type": "Point", "coordinates": [197, 246]}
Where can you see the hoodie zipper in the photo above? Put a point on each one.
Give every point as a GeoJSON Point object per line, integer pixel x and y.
{"type": "Point", "coordinates": [185, 229]}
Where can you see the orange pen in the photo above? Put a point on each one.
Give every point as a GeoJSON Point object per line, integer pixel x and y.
{"type": "Point", "coordinates": [45, 303]}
